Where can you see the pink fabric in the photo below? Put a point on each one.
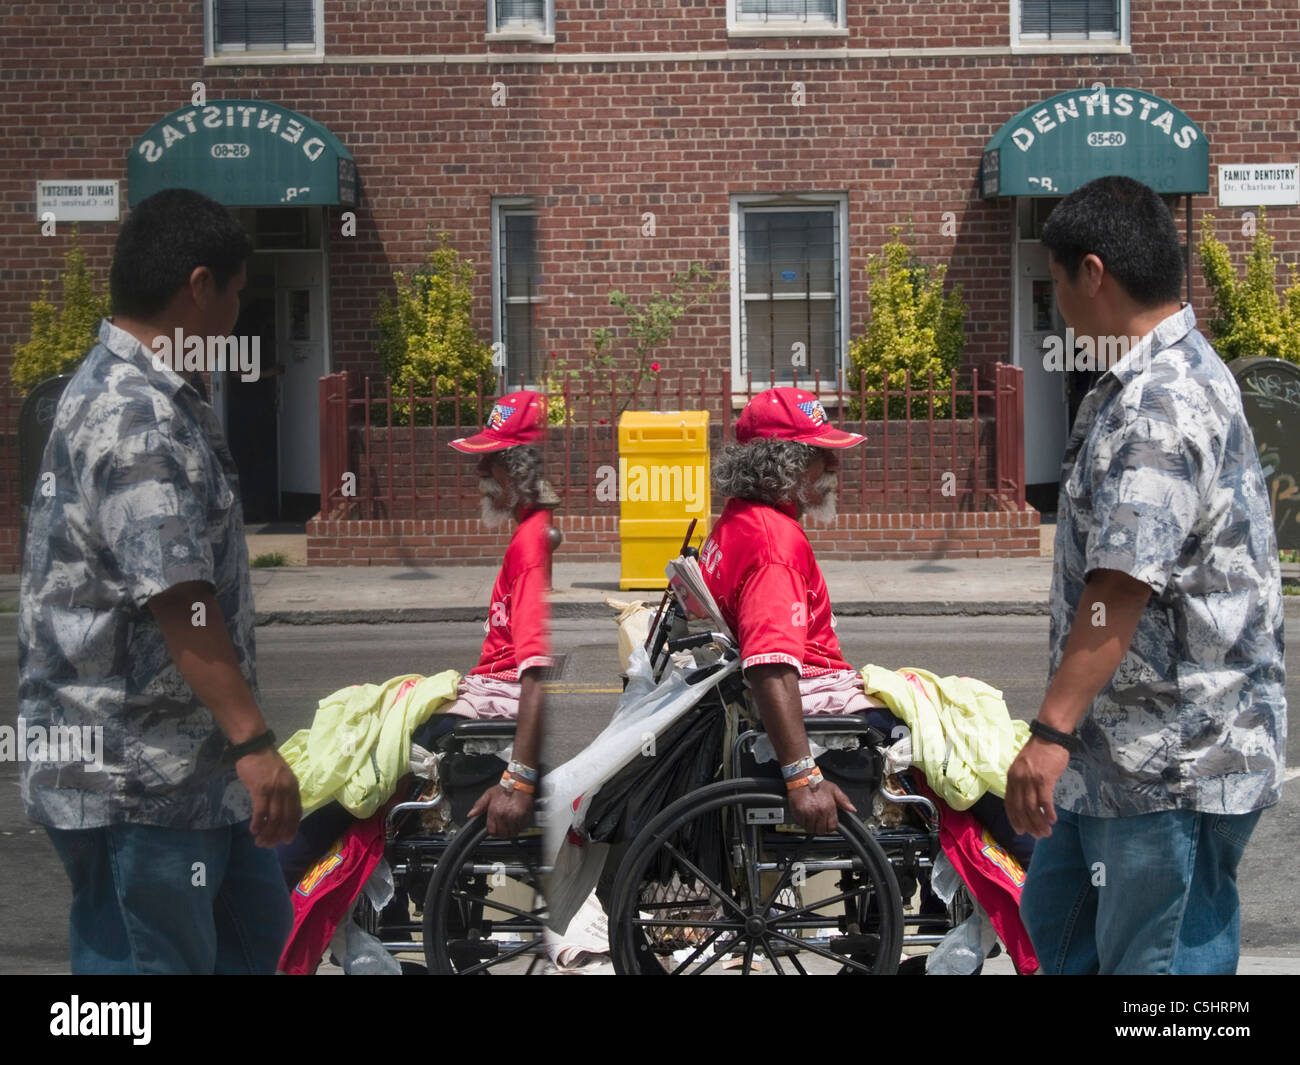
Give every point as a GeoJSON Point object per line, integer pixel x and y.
{"type": "Point", "coordinates": [993, 876]}
{"type": "Point", "coordinates": [486, 698]}
{"type": "Point", "coordinates": [838, 692]}
{"type": "Point", "coordinates": [323, 897]}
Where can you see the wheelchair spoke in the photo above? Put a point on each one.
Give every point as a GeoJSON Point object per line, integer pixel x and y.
{"type": "Point", "coordinates": [696, 871]}
{"type": "Point", "coordinates": [843, 895]}
{"type": "Point", "coordinates": [531, 916]}
{"type": "Point", "coordinates": [487, 963]}
{"type": "Point", "coordinates": [771, 954]}
{"type": "Point", "coordinates": [804, 944]}
{"type": "Point", "coordinates": [699, 950]}
{"type": "Point", "coordinates": [749, 957]}
{"type": "Point", "coordinates": [718, 954]}
{"type": "Point", "coordinates": [646, 922]}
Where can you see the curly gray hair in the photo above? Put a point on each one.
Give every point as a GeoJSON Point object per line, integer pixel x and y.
{"type": "Point", "coordinates": [525, 466]}
{"type": "Point", "coordinates": [763, 470]}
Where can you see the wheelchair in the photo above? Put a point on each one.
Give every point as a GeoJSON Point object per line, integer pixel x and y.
{"type": "Point", "coordinates": [469, 903]}
{"type": "Point", "coordinates": [708, 873]}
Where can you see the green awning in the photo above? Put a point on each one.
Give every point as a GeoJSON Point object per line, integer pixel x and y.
{"type": "Point", "coordinates": [243, 153]}
{"type": "Point", "coordinates": [1053, 147]}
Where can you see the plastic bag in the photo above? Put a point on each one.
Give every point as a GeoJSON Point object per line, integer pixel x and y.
{"type": "Point", "coordinates": [633, 622]}
{"type": "Point", "coordinates": [963, 950]}
{"type": "Point", "coordinates": [360, 953]}
{"type": "Point", "coordinates": [379, 888]}
{"type": "Point", "coordinates": [645, 710]}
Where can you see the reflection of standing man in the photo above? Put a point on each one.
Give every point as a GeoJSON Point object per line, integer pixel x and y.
{"type": "Point", "coordinates": [1163, 732]}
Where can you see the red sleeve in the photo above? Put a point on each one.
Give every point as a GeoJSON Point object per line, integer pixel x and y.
{"type": "Point", "coordinates": [530, 619]}
{"type": "Point", "coordinates": [772, 617]}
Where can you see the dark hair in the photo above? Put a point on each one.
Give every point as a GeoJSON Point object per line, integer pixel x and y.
{"type": "Point", "coordinates": [166, 238]}
{"type": "Point", "coordinates": [1129, 228]}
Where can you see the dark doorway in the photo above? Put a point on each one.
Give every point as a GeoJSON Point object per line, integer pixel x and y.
{"type": "Point", "coordinates": [251, 415]}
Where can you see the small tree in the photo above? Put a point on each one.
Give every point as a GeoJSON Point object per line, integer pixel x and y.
{"type": "Point", "coordinates": [61, 336]}
{"type": "Point", "coordinates": [426, 335]}
{"type": "Point", "coordinates": [914, 326]}
{"type": "Point", "coordinates": [648, 328]}
{"type": "Point", "coordinates": [1250, 316]}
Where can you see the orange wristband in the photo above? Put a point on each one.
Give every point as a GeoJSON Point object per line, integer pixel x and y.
{"type": "Point", "coordinates": [813, 778]}
{"type": "Point", "coordinates": [512, 784]}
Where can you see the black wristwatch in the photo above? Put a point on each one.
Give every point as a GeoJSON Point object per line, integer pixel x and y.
{"type": "Point", "coordinates": [1068, 740]}
{"type": "Point", "coordinates": [257, 743]}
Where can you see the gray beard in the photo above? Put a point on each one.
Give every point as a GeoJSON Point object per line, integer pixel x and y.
{"type": "Point", "coordinates": [494, 509]}
{"type": "Point", "coordinates": [825, 510]}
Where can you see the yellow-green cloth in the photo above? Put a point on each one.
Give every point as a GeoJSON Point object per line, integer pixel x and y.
{"type": "Point", "coordinates": [963, 739]}
{"type": "Point", "coordinates": [359, 743]}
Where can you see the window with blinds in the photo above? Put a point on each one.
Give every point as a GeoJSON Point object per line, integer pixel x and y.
{"type": "Point", "coordinates": [264, 25]}
{"type": "Point", "coordinates": [1070, 19]}
{"type": "Point", "coordinates": [787, 10]}
{"type": "Point", "coordinates": [519, 14]}
{"type": "Point", "coordinates": [790, 292]}
{"type": "Point", "coordinates": [516, 269]}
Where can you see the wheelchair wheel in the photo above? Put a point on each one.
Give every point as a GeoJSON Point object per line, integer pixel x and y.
{"type": "Point", "coordinates": [484, 910]}
{"type": "Point", "coordinates": [721, 879]}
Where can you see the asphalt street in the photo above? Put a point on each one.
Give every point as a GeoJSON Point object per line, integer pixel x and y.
{"type": "Point", "coordinates": [298, 665]}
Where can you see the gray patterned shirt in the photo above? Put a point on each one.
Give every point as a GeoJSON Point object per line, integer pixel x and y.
{"type": "Point", "coordinates": [1161, 481]}
{"type": "Point", "coordinates": [143, 496]}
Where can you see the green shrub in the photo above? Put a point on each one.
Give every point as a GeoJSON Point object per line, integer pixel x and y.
{"type": "Point", "coordinates": [1250, 316]}
{"type": "Point", "coordinates": [270, 560]}
{"type": "Point", "coordinates": [61, 335]}
{"type": "Point", "coordinates": [914, 326]}
{"type": "Point", "coordinates": [426, 335]}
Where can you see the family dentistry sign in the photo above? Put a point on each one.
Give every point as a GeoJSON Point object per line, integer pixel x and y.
{"type": "Point", "coordinates": [1053, 147]}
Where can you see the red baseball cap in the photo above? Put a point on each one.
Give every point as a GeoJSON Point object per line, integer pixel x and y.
{"type": "Point", "coordinates": [791, 414]}
{"type": "Point", "coordinates": [516, 418]}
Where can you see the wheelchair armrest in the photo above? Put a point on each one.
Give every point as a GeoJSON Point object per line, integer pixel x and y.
{"type": "Point", "coordinates": [853, 723]}
{"type": "Point", "coordinates": [485, 730]}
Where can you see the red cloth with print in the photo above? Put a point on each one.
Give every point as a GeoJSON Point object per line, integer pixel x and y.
{"type": "Point", "coordinates": [517, 624]}
{"type": "Point", "coordinates": [761, 569]}
{"type": "Point", "coordinates": [993, 876]}
{"type": "Point", "coordinates": [322, 898]}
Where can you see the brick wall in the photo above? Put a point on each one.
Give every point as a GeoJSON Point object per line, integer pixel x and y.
{"type": "Point", "coordinates": [994, 534]}
{"type": "Point", "coordinates": [600, 142]}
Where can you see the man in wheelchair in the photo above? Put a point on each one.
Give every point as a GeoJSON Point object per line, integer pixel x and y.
{"type": "Point", "coordinates": [761, 570]}
{"type": "Point", "coordinates": [505, 684]}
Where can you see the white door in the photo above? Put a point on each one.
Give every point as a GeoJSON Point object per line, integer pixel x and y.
{"type": "Point", "coordinates": [1046, 391]}
{"type": "Point", "coordinates": [300, 324]}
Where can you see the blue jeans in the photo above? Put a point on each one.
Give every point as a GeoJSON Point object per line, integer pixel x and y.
{"type": "Point", "coordinates": [160, 900]}
{"type": "Point", "coordinates": [1156, 893]}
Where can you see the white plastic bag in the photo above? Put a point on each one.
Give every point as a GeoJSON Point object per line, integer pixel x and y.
{"type": "Point", "coordinates": [963, 950]}
{"type": "Point", "coordinates": [360, 953]}
{"type": "Point", "coordinates": [645, 710]}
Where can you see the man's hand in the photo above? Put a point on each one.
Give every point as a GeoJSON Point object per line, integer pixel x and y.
{"type": "Point", "coordinates": [817, 808]}
{"type": "Point", "coordinates": [277, 806]}
{"type": "Point", "coordinates": [507, 811]}
{"type": "Point", "coordinates": [1031, 780]}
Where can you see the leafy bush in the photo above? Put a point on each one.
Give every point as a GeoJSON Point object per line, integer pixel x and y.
{"type": "Point", "coordinates": [426, 335]}
{"type": "Point", "coordinates": [914, 326]}
{"type": "Point", "coordinates": [61, 336]}
{"type": "Point", "coordinates": [1250, 316]}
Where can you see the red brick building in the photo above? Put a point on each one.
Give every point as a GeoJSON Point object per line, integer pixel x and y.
{"type": "Point", "coordinates": [573, 147]}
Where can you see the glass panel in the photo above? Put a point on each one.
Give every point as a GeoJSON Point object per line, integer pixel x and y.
{"type": "Point", "coordinates": [789, 251]}
{"type": "Point", "coordinates": [264, 23]}
{"type": "Point", "coordinates": [787, 9]}
{"type": "Point", "coordinates": [1069, 18]}
{"type": "Point", "coordinates": [520, 356]}
{"type": "Point", "coordinates": [518, 263]}
{"type": "Point", "coordinates": [512, 14]}
{"type": "Point", "coordinates": [774, 326]}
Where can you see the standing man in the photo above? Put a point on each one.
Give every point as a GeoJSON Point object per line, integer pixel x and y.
{"type": "Point", "coordinates": [1162, 736]}
{"type": "Point", "coordinates": [136, 625]}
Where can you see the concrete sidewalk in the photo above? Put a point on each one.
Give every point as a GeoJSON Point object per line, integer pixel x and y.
{"type": "Point", "coordinates": [318, 595]}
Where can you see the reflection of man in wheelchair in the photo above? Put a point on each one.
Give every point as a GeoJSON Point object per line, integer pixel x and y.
{"type": "Point", "coordinates": [497, 702]}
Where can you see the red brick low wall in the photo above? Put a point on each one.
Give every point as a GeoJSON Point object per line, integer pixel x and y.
{"type": "Point", "coordinates": [1010, 534]}
{"type": "Point", "coordinates": [9, 560]}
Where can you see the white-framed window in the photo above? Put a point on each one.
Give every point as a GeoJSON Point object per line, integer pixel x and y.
{"type": "Point", "coordinates": [786, 17]}
{"type": "Point", "coordinates": [789, 299]}
{"type": "Point", "coordinates": [515, 281]}
{"type": "Point", "coordinates": [521, 20]}
{"type": "Point", "coordinates": [1045, 22]}
{"type": "Point", "coordinates": [264, 26]}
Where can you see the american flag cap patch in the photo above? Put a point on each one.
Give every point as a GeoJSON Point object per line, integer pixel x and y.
{"type": "Point", "coordinates": [815, 411]}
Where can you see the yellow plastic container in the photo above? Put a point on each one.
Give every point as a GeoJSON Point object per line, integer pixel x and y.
{"type": "Point", "coordinates": [663, 482]}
